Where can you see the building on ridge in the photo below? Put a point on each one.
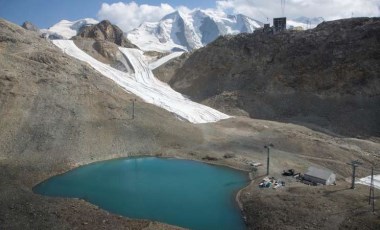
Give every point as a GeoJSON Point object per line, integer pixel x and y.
{"type": "Point", "coordinates": [279, 24]}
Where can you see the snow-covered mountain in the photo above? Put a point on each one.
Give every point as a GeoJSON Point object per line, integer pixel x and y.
{"type": "Point", "coordinates": [66, 29]}
{"type": "Point", "coordinates": [188, 31]}
{"type": "Point", "coordinates": [180, 31]}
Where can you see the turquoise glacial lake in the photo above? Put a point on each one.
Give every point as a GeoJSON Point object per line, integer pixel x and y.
{"type": "Point", "coordinates": [185, 193]}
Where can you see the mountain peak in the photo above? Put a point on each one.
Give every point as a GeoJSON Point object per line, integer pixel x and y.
{"type": "Point", "coordinates": [199, 11]}
{"type": "Point", "coordinates": [105, 23]}
{"type": "Point", "coordinates": [173, 15]}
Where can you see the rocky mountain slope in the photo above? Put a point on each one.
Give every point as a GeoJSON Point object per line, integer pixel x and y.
{"type": "Point", "coordinates": [188, 31]}
{"type": "Point", "coordinates": [327, 77]}
{"type": "Point", "coordinates": [55, 113]}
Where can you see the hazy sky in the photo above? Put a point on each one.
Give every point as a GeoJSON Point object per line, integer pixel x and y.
{"type": "Point", "coordinates": [129, 14]}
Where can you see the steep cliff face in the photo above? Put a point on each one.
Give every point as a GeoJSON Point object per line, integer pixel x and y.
{"type": "Point", "coordinates": [326, 77]}
{"type": "Point", "coordinates": [105, 31]}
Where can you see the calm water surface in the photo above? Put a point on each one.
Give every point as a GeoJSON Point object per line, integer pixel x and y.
{"type": "Point", "coordinates": [180, 192]}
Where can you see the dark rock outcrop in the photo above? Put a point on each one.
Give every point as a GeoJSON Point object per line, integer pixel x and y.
{"type": "Point", "coordinates": [107, 32]}
{"type": "Point", "coordinates": [326, 77]}
{"type": "Point", "coordinates": [30, 26]}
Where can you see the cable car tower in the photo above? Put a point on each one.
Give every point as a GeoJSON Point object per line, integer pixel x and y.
{"type": "Point", "coordinates": [279, 24]}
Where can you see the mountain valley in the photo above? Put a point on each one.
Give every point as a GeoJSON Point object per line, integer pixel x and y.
{"type": "Point", "coordinates": [314, 94]}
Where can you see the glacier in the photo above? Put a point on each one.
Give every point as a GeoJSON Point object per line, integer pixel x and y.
{"type": "Point", "coordinates": [144, 85]}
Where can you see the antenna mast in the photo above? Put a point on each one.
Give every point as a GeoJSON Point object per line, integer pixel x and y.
{"type": "Point", "coordinates": [283, 8]}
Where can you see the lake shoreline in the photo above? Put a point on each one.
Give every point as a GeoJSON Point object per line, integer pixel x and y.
{"type": "Point", "coordinates": [218, 164]}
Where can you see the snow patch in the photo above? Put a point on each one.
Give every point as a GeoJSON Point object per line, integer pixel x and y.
{"type": "Point", "coordinates": [367, 181]}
